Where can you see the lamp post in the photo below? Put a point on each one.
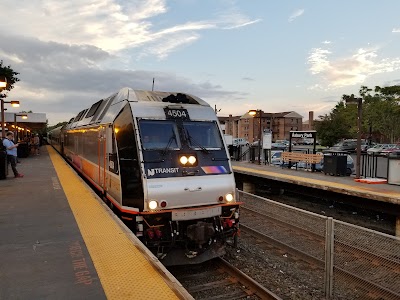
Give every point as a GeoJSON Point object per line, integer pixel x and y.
{"type": "Point", "coordinates": [23, 116]}
{"type": "Point", "coordinates": [358, 102]}
{"type": "Point", "coordinates": [254, 113]}
{"type": "Point", "coordinates": [3, 85]}
{"type": "Point", "coordinates": [3, 121]}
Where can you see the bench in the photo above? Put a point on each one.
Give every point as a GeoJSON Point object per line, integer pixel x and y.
{"type": "Point", "coordinates": [301, 157]}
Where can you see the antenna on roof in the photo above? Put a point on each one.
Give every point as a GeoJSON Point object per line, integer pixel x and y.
{"type": "Point", "coordinates": [152, 88]}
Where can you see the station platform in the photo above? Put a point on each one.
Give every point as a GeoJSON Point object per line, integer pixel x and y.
{"type": "Point", "coordinates": [339, 184]}
{"type": "Point", "coordinates": [60, 241]}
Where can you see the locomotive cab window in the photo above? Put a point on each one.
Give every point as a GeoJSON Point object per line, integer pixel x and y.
{"type": "Point", "coordinates": [203, 135]}
{"type": "Point", "coordinates": [159, 135]}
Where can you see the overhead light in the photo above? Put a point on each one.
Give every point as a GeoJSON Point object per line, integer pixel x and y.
{"type": "Point", "coordinates": [252, 112]}
{"type": "Point", "coordinates": [14, 103]}
{"type": "Point", "coordinates": [3, 81]}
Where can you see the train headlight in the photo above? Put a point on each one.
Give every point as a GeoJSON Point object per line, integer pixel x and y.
{"type": "Point", "coordinates": [153, 204]}
{"type": "Point", "coordinates": [183, 160]}
{"type": "Point", "coordinates": [188, 160]}
{"type": "Point", "coordinates": [192, 160]}
{"type": "Point", "coordinates": [229, 197]}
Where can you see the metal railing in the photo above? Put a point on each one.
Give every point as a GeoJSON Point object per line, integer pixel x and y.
{"type": "Point", "coordinates": [357, 263]}
{"type": "Point", "coordinates": [374, 166]}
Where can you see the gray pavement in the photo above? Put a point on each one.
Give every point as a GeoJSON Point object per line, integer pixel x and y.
{"type": "Point", "coordinates": [41, 249]}
{"type": "Point", "coordinates": [340, 184]}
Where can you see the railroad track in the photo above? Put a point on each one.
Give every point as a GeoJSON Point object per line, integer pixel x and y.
{"type": "Point", "coordinates": [290, 238]}
{"type": "Point", "coordinates": [217, 279]}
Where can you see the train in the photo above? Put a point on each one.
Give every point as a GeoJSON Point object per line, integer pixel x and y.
{"type": "Point", "coordinates": [159, 160]}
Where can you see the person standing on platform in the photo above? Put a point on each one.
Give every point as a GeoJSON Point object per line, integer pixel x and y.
{"type": "Point", "coordinates": [11, 149]}
{"type": "Point", "coordinates": [36, 144]}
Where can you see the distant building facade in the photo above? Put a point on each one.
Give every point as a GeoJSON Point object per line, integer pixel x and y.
{"type": "Point", "coordinates": [248, 127]}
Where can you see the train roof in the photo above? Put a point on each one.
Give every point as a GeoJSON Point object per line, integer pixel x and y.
{"type": "Point", "coordinates": [106, 110]}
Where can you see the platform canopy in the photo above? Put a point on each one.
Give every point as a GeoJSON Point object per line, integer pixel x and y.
{"type": "Point", "coordinates": [34, 122]}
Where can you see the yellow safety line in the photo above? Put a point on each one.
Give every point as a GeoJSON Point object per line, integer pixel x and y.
{"type": "Point", "coordinates": [123, 271]}
{"type": "Point", "coordinates": [317, 182]}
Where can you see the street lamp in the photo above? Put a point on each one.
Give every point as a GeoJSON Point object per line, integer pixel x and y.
{"type": "Point", "coordinates": [358, 101]}
{"type": "Point", "coordinates": [3, 82]}
{"type": "Point", "coordinates": [254, 113]}
{"type": "Point", "coordinates": [3, 121]}
{"type": "Point", "coordinates": [24, 117]}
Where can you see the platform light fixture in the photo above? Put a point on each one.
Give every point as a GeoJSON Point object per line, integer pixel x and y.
{"type": "Point", "coordinates": [13, 103]}
{"type": "Point", "coordinates": [3, 82]}
{"type": "Point", "coordinates": [24, 117]}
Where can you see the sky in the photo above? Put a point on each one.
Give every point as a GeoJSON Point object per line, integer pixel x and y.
{"type": "Point", "coordinates": [237, 55]}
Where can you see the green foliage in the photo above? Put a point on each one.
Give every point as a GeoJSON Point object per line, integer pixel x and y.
{"type": "Point", "coordinates": [334, 126]}
{"type": "Point", "coordinates": [49, 128]}
{"type": "Point", "coordinates": [11, 78]}
{"type": "Point", "coordinates": [380, 111]}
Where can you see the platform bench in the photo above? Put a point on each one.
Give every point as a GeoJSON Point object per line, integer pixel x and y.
{"type": "Point", "coordinates": [302, 157]}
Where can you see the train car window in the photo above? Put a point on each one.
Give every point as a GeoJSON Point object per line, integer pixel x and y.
{"type": "Point", "coordinates": [93, 109]}
{"type": "Point", "coordinates": [203, 135]}
{"type": "Point", "coordinates": [79, 116]}
{"type": "Point", "coordinates": [106, 104]}
{"type": "Point", "coordinates": [157, 134]}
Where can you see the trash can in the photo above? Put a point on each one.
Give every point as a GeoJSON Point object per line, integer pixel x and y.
{"type": "Point", "coordinates": [23, 150]}
{"type": "Point", "coordinates": [335, 164]}
{"type": "Point", "coordinates": [3, 164]}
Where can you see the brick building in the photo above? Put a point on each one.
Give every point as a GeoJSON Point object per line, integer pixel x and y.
{"type": "Point", "coordinates": [248, 127]}
{"type": "Point", "coordinates": [309, 124]}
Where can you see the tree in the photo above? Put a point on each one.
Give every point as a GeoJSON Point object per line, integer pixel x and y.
{"type": "Point", "coordinates": [380, 115]}
{"type": "Point", "coordinates": [334, 126]}
{"type": "Point", "coordinates": [382, 111]}
{"type": "Point", "coordinates": [10, 74]}
{"type": "Point", "coordinates": [55, 126]}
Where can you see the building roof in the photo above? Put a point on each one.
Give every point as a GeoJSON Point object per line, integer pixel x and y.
{"type": "Point", "coordinates": [34, 122]}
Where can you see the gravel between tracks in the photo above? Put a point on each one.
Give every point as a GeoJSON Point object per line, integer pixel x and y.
{"type": "Point", "coordinates": [284, 275]}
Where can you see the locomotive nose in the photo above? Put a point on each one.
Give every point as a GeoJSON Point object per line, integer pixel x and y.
{"type": "Point", "coordinates": [200, 232]}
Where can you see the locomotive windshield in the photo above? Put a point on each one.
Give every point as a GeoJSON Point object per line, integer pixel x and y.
{"type": "Point", "coordinates": [159, 134]}
{"type": "Point", "coordinates": [202, 135]}
{"type": "Point", "coordinates": [163, 134]}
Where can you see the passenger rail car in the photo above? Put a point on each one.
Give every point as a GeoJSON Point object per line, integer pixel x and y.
{"type": "Point", "coordinates": [160, 159]}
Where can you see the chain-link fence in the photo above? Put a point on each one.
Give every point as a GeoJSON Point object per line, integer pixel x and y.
{"type": "Point", "coordinates": [356, 263]}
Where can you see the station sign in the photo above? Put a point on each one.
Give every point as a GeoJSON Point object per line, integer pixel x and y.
{"type": "Point", "coordinates": [311, 134]}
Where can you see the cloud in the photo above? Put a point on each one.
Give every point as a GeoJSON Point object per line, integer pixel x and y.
{"type": "Point", "coordinates": [70, 54]}
{"type": "Point", "coordinates": [111, 25]}
{"type": "Point", "coordinates": [63, 79]}
{"type": "Point", "coordinates": [243, 24]}
{"type": "Point", "coordinates": [396, 30]}
{"type": "Point", "coordinates": [295, 15]}
{"type": "Point", "coordinates": [351, 70]}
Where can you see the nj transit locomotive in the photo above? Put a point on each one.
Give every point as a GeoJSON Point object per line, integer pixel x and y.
{"type": "Point", "coordinates": [160, 160]}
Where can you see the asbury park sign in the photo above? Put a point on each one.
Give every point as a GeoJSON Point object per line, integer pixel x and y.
{"type": "Point", "coordinates": [303, 134]}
